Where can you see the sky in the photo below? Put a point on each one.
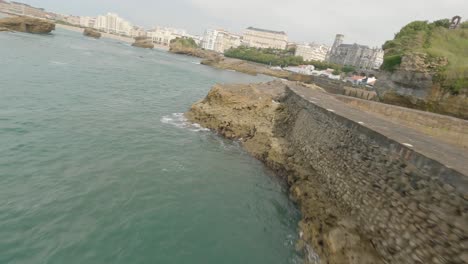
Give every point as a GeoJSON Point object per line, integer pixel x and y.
{"type": "Point", "coordinates": [367, 22]}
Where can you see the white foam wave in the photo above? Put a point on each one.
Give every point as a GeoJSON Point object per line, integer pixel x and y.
{"type": "Point", "coordinates": [194, 62]}
{"type": "Point", "coordinates": [58, 63]}
{"type": "Point", "coordinates": [179, 120]}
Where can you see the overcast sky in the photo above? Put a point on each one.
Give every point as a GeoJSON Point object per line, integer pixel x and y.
{"type": "Point", "coordinates": [368, 22]}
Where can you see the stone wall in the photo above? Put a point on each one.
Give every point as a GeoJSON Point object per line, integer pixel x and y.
{"type": "Point", "coordinates": [445, 128]}
{"type": "Point", "coordinates": [413, 208]}
{"type": "Point", "coordinates": [361, 93]}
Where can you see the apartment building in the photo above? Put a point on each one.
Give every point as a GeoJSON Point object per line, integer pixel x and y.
{"type": "Point", "coordinates": [112, 23]}
{"type": "Point", "coordinates": [220, 40]}
{"type": "Point", "coordinates": [164, 35]}
{"type": "Point", "coordinates": [88, 22]}
{"type": "Point", "coordinates": [264, 38]}
{"type": "Point", "coordinates": [312, 52]}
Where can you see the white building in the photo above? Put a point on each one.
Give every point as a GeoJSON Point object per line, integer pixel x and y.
{"type": "Point", "coordinates": [164, 35]}
{"type": "Point", "coordinates": [209, 39]}
{"type": "Point", "coordinates": [312, 52]}
{"type": "Point", "coordinates": [220, 40]}
{"type": "Point", "coordinates": [112, 23]}
{"type": "Point", "coordinates": [88, 22]}
{"type": "Point", "coordinates": [74, 20]}
{"type": "Point", "coordinates": [264, 38]}
{"type": "Point", "coordinates": [302, 69]}
{"type": "Point", "coordinates": [137, 32]}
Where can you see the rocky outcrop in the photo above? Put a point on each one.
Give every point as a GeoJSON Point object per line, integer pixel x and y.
{"type": "Point", "coordinates": [364, 197]}
{"type": "Point", "coordinates": [143, 42]}
{"type": "Point", "coordinates": [250, 114]}
{"type": "Point", "coordinates": [92, 33]}
{"type": "Point", "coordinates": [414, 84]}
{"type": "Point", "coordinates": [27, 25]}
{"type": "Point", "coordinates": [178, 48]}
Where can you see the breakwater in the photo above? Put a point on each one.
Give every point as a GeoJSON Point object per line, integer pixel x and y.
{"type": "Point", "coordinates": [369, 189]}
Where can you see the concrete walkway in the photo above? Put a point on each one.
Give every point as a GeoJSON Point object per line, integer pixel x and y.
{"type": "Point", "coordinates": [451, 156]}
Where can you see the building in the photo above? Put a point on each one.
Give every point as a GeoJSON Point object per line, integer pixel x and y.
{"type": "Point", "coordinates": [138, 32]}
{"type": "Point", "coordinates": [112, 23]}
{"type": "Point", "coordinates": [88, 22]}
{"type": "Point", "coordinates": [74, 20]}
{"type": "Point", "coordinates": [312, 52]}
{"type": "Point", "coordinates": [264, 38]}
{"type": "Point", "coordinates": [209, 39]}
{"type": "Point", "coordinates": [220, 40]}
{"type": "Point", "coordinates": [225, 41]}
{"type": "Point", "coordinates": [359, 56]}
{"type": "Point", "coordinates": [164, 35]}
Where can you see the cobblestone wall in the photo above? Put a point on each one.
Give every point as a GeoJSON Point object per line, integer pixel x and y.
{"type": "Point", "coordinates": [413, 208]}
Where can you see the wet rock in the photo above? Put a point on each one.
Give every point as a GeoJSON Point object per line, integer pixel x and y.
{"type": "Point", "coordinates": [89, 32]}
{"type": "Point", "coordinates": [143, 42]}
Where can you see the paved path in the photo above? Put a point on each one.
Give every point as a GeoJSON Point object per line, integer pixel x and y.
{"type": "Point", "coordinates": [451, 156]}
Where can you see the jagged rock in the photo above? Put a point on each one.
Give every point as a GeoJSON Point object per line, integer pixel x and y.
{"type": "Point", "coordinates": [27, 24]}
{"type": "Point", "coordinates": [89, 32]}
{"type": "Point", "coordinates": [143, 42]}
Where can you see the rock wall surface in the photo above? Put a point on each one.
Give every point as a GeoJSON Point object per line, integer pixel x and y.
{"type": "Point", "coordinates": [89, 32]}
{"type": "Point", "coordinates": [364, 197]}
{"type": "Point", "coordinates": [143, 42]}
{"type": "Point", "coordinates": [27, 25]}
{"type": "Point", "coordinates": [412, 85]}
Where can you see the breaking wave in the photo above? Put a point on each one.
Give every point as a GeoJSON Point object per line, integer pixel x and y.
{"type": "Point", "coordinates": [179, 120]}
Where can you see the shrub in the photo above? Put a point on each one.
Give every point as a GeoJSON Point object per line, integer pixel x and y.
{"type": "Point", "coordinates": [391, 62]}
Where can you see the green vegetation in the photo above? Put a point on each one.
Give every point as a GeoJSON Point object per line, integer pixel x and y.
{"type": "Point", "coordinates": [437, 43]}
{"type": "Point", "coordinates": [276, 57]}
{"type": "Point", "coordinates": [391, 62]}
{"type": "Point", "coordinates": [272, 57]}
{"type": "Point", "coordinates": [185, 42]}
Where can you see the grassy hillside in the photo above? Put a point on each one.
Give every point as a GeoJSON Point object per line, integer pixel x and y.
{"type": "Point", "coordinates": [436, 41]}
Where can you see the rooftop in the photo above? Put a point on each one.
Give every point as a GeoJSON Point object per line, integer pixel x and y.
{"type": "Point", "coordinates": [267, 30]}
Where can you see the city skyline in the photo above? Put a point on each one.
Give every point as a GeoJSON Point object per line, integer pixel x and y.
{"type": "Point", "coordinates": [367, 24]}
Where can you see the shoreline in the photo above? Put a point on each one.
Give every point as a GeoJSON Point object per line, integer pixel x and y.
{"type": "Point", "coordinates": [364, 195]}
{"type": "Point", "coordinates": [108, 36]}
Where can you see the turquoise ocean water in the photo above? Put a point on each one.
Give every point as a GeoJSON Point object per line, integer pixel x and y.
{"type": "Point", "coordinates": [97, 165]}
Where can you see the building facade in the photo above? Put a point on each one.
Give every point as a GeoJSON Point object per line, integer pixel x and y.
{"type": "Point", "coordinates": [88, 22]}
{"type": "Point", "coordinates": [74, 20]}
{"type": "Point", "coordinates": [264, 38]}
{"type": "Point", "coordinates": [312, 52]}
{"type": "Point", "coordinates": [220, 40]}
{"type": "Point", "coordinates": [209, 39]}
{"type": "Point", "coordinates": [112, 23]}
{"type": "Point", "coordinates": [359, 56]}
{"type": "Point", "coordinates": [164, 35]}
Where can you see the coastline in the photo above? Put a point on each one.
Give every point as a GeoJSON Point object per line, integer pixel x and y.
{"type": "Point", "coordinates": [108, 36]}
{"type": "Point", "coordinates": [365, 196]}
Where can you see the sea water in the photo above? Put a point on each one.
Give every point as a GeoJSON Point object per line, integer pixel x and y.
{"type": "Point", "coordinates": [99, 165]}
